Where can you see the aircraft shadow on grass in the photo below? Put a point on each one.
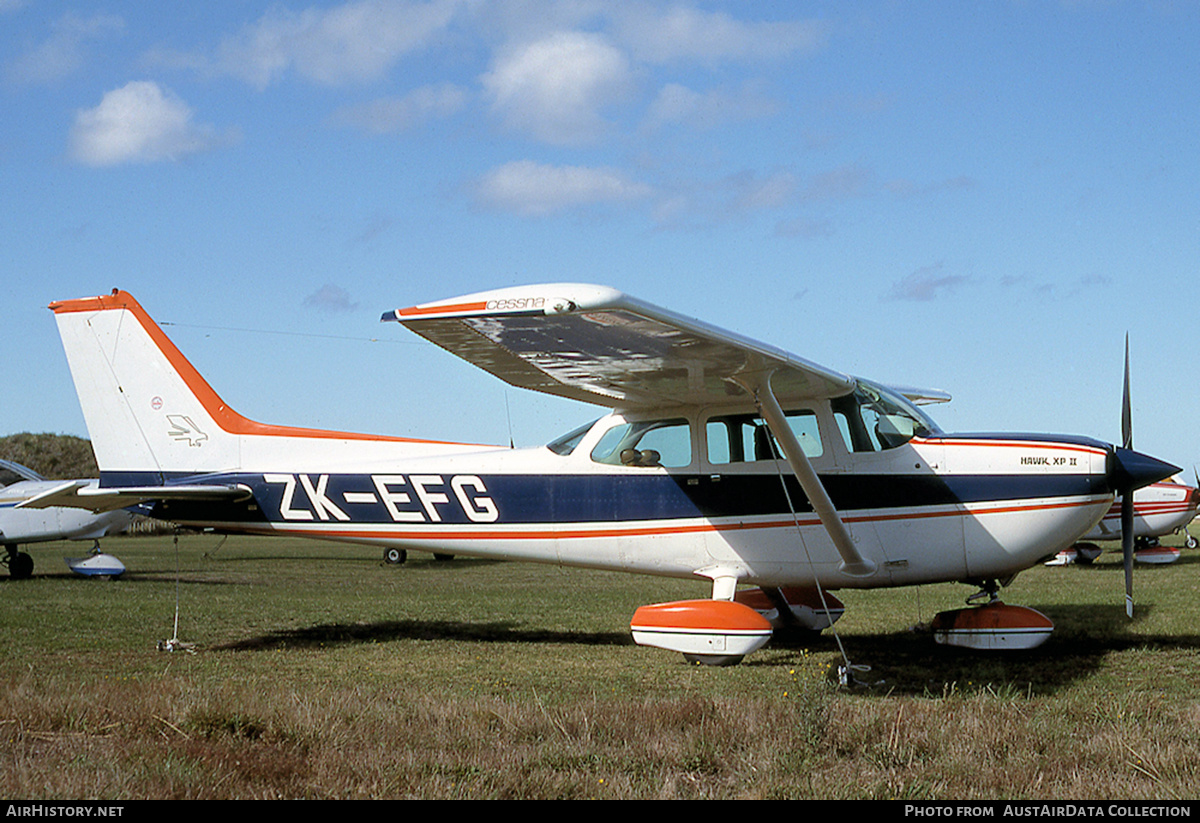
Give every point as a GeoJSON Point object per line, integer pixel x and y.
{"type": "Point", "coordinates": [907, 662]}
{"type": "Point", "coordinates": [330, 634]}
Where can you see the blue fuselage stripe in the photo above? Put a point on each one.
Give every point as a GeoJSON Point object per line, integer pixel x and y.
{"type": "Point", "coordinates": [529, 499]}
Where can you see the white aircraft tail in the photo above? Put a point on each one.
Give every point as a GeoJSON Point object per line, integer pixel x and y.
{"type": "Point", "coordinates": [148, 411]}
{"type": "Point", "coordinates": [153, 418]}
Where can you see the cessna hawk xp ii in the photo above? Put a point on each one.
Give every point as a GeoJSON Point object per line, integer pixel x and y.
{"type": "Point", "coordinates": [725, 459]}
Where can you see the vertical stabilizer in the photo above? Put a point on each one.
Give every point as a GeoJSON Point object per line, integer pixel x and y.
{"type": "Point", "coordinates": [149, 412]}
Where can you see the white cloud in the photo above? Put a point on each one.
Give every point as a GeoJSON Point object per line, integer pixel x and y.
{"type": "Point", "coordinates": [754, 193]}
{"type": "Point", "coordinates": [351, 43]}
{"type": "Point", "coordinates": [691, 34]}
{"type": "Point", "coordinates": [693, 205]}
{"type": "Point", "coordinates": [925, 284]}
{"type": "Point", "coordinates": [396, 114]}
{"type": "Point", "coordinates": [556, 87]}
{"type": "Point", "coordinates": [138, 123]}
{"type": "Point", "coordinates": [534, 189]}
{"type": "Point", "coordinates": [64, 51]}
{"type": "Point", "coordinates": [677, 104]}
{"type": "Point", "coordinates": [804, 228]}
{"type": "Point", "coordinates": [331, 299]}
{"type": "Point", "coordinates": [842, 183]}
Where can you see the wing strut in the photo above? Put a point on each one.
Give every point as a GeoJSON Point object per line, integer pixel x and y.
{"type": "Point", "coordinates": [853, 563]}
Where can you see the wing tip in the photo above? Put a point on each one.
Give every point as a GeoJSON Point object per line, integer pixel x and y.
{"type": "Point", "coordinates": [544, 298]}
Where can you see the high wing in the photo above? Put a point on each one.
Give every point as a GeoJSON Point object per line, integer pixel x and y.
{"type": "Point", "coordinates": [597, 345]}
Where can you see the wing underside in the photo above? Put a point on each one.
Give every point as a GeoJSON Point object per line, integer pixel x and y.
{"type": "Point", "coordinates": [600, 346]}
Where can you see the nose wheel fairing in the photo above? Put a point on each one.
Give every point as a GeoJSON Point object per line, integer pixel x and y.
{"type": "Point", "coordinates": [992, 627]}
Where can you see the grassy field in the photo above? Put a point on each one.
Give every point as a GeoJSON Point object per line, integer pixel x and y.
{"type": "Point", "coordinates": [319, 672]}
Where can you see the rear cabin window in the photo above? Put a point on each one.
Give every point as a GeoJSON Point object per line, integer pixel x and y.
{"type": "Point", "coordinates": [745, 438]}
{"type": "Point", "coordinates": [646, 444]}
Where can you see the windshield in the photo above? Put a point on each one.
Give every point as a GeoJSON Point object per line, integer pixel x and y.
{"type": "Point", "coordinates": [566, 444]}
{"type": "Point", "coordinates": [874, 418]}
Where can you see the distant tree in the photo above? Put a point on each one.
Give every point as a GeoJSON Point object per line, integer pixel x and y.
{"type": "Point", "coordinates": [54, 456]}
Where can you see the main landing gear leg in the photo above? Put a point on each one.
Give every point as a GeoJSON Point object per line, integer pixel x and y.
{"type": "Point", "coordinates": [20, 565]}
{"type": "Point", "coordinates": [723, 591]}
{"type": "Point", "coordinates": [989, 591]}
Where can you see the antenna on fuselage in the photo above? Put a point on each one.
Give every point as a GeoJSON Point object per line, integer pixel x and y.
{"type": "Point", "coordinates": [508, 414]}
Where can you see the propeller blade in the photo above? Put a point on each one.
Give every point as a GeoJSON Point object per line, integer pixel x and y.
{"type": "Point", "coordinates": [1127, 492]}
{"type": "Point", "coordinates": [1126, 409]}
{"type": "Point", "coordinates": [1127, 548]}
{"type": "Point", "coordinates": [1131, 471]}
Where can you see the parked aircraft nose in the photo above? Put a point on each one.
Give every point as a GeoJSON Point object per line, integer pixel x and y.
{"type": "Point", "coordinates": [1133, 470]}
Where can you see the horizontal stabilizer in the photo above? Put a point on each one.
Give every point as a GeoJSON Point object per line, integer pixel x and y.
{"type": "Point", "coordinates": [86, 495]}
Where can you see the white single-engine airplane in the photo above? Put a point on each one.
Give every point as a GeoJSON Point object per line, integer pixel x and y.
{"type": "Point", "coordinates": [725, 460]}
{"type": "Point", "coordinates": [20, 525]}
{"type": "Point", "coordinates": [1160, 509]}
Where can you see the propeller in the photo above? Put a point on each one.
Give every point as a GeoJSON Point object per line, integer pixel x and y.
{"type": "Point", "coordinates": [1131, 471]}
{"type": "Point", "coordinates": [1127, 491]}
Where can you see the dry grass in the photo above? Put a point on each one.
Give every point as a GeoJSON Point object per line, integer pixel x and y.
{"type": "Point", "coordinates": [986, 747]}
{"type": "Point", "coordinates": [343, 678]}
{"type": "Point", "coordinates": [166, 741]}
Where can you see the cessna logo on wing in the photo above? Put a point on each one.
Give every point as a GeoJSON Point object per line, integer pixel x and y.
{"type": "Point", "coordinates": [182, 428]}
{"type": "Point", "coordinates": [516, 304]}
{"type": "Point", "coordinates": [414, 498]}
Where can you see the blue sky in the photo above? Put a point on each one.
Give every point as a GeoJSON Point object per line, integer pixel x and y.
{"type": "Point", "coordinates": [978, 197]}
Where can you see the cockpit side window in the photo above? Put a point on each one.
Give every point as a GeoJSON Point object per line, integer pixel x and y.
{"type": "Point", "coordinates": [646, 444]}
{"type": "Point", "coordinates": [744, 438]}
{"type": "Point", "coordinates": [873, 419]}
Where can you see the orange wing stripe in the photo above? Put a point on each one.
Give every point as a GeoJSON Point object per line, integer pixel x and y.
{"type": "Point", "coordinates": [459, 307]}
